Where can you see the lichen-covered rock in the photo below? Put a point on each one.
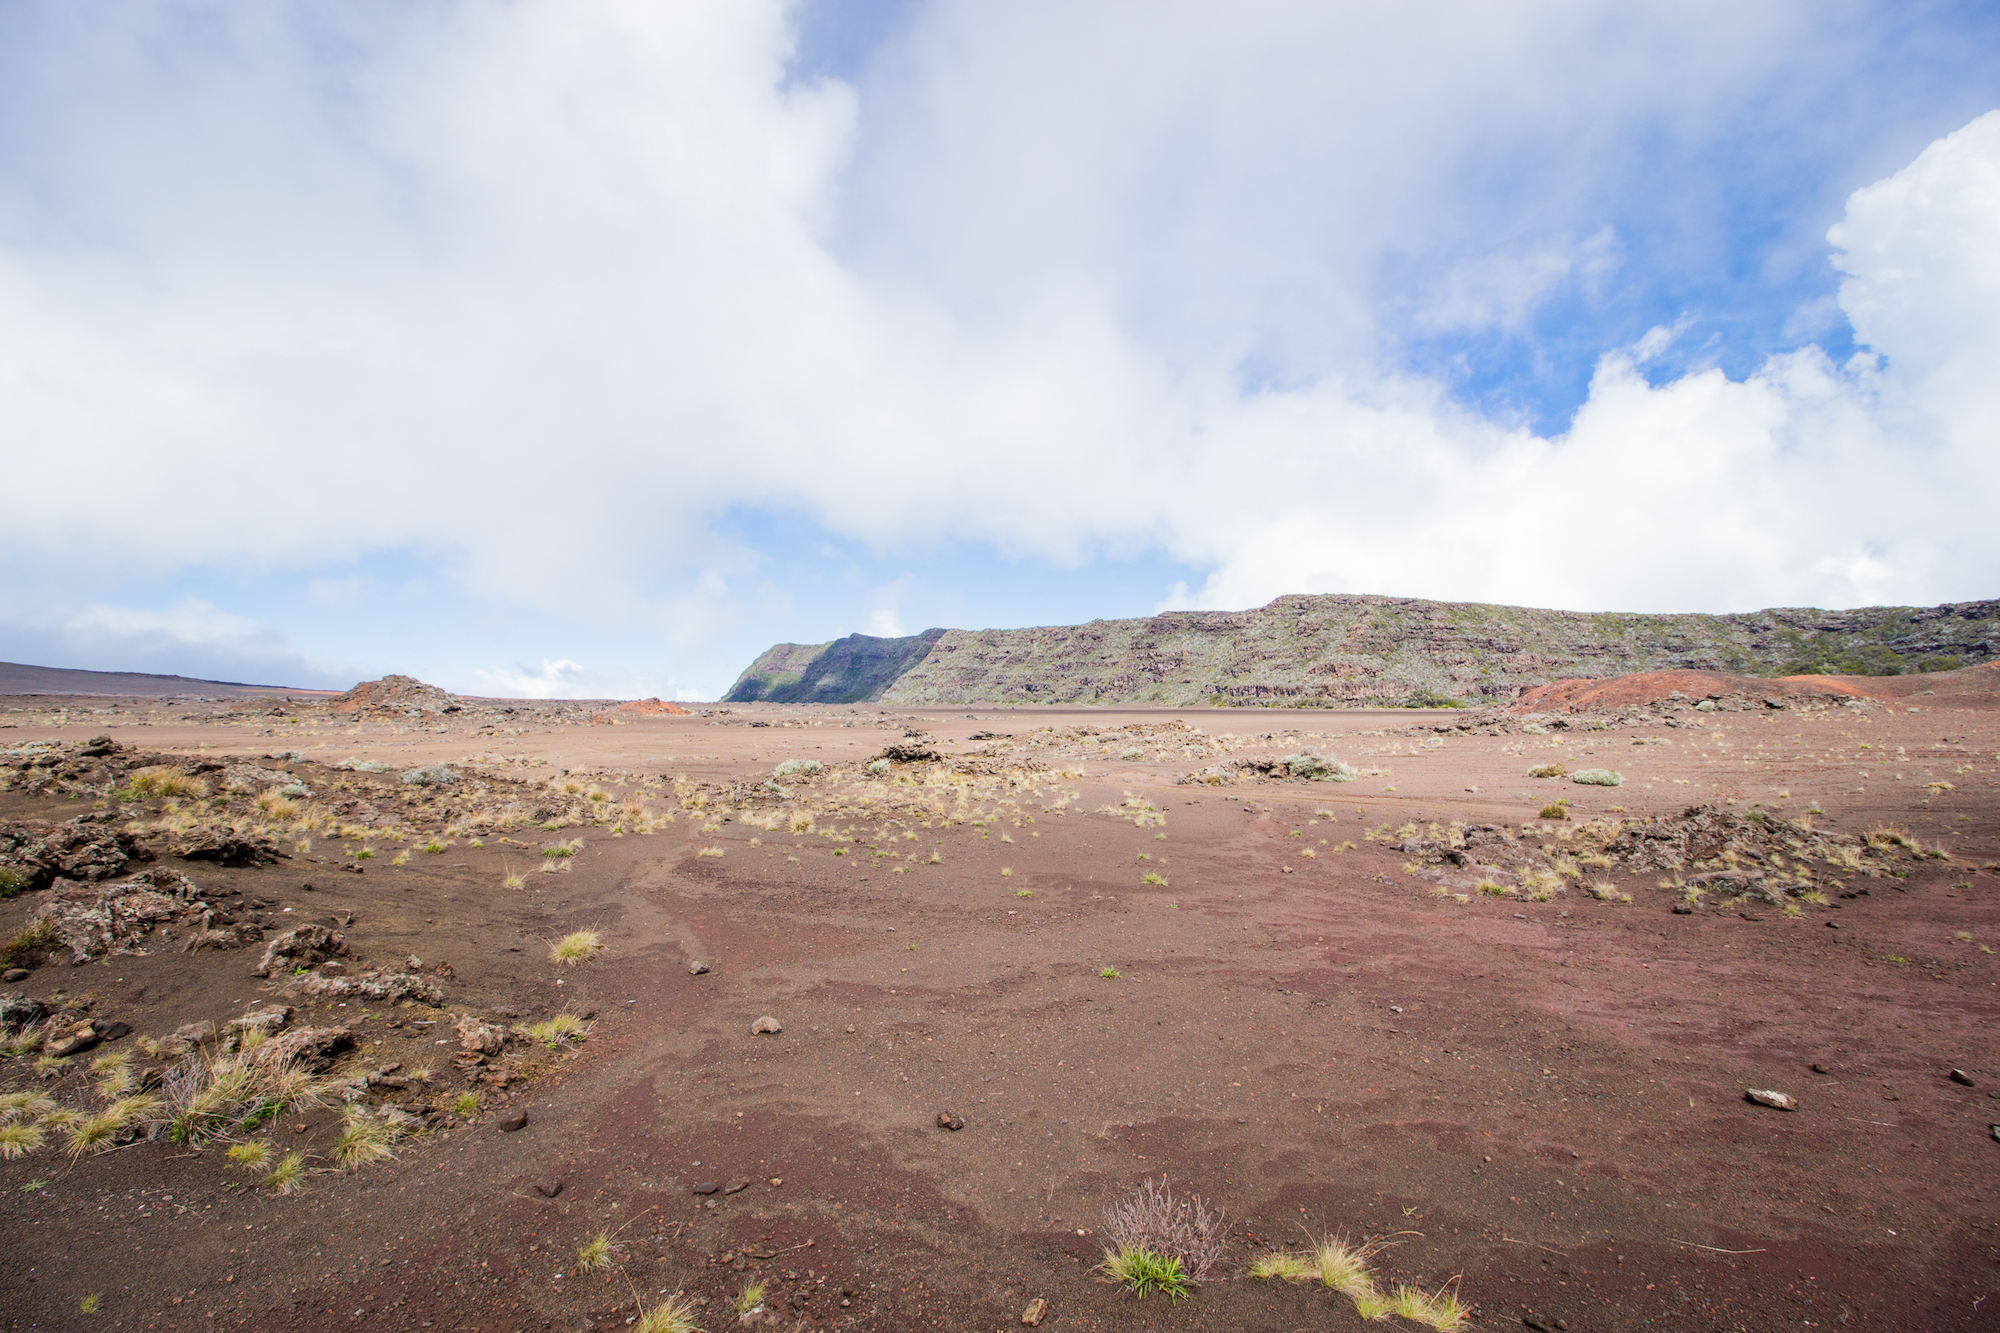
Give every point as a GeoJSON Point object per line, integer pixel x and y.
{"type": "Point", "coordinates": [307, 1047]}
{"type": "Point", "coordinates": [225, 848]}
{"type": "Point", "coordinates": [43, 853]}
{"type": "Point", "coordinates": [382, 986]}
{"type": "Point", "coordinates": [92, 920]}
{"type": "Point", "coordinates": [300, 948]}
{"type": "Point", "coordinates": [476, 1034]}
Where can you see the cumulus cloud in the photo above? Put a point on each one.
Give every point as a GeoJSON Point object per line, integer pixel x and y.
{"type": "Point", "coordinates": [540, 290]}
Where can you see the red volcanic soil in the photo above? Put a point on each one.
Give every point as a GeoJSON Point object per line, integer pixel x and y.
{"type": "Point", "coordinates": [1972, 687]}
{"type": "Point", "coordinates": [1541, 1101]}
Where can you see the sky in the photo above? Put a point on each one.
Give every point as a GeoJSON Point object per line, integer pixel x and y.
{"type": "Point", "coordinates": [589, 347]}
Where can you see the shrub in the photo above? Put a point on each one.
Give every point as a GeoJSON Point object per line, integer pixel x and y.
{"type": "Point", "coordinates": [878, 767]}
{"type": "Point", "coordinates": [1555, 811]}
{"type": "Point", "coordinates": [798, 768]}
{"type": "Point", "coordinates": [1547, 771]}
{"type": "Point", "coordinates": [1597, 777]}
{"type": "Point", "coordinates": [1318, 768]}
{"type": "Point", "coordinates": [12, 881]}
{"type": "Point", "coordinates": [1151, 1221]}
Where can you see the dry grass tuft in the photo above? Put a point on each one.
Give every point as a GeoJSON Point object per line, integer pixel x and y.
{"type": "Point", "coordinates": [579, 946]}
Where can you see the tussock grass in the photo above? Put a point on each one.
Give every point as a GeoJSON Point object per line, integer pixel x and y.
{"type": "Point", "coordinates": [1285, 1267]}
{"type": "Point", "coordinates": [1547, 771]}
{"type": "Point", "coordinates": [673, 1315]}
{"type": "Point", "coordinates": [21, 1138]}
{"type": "Point", "coordinates": [579, 946]}
{"type": "Point", "coordinates": [166, 780]}
{"type": "Point", "coordinates": [289, 1175]}
{"type": "Point", "coordinates": [749, 1298]}
{"type": "Point", "coordinates": [594, 1254]}
{"type": "Point", "coordinates": [363, 1140]}
{"type": "Point", "coordinates": [514, 880]}
{"type": "Point", "coordinates": [24, 1105]}
{"type": "Point", "coordinates": [252, 1156]}
{"type": "Point", "coordinates": [558, 1030]}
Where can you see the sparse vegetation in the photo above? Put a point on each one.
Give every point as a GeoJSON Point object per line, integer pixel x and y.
{"type": "Point", "coordinates": [749, 1298]}
{"type": "Point", "coordinates": [1110, 973]}
{"type": "Point", "coordinates": [1161, 1242]}
{"type": "Point", "coordinates": [289, 1175]}
{"type": "Point", "coordinates": [1597, 777]}
{"type": "Point", "coordinates": [594, 1254]}
{"type": "Point", "coordinates": [673, 1315]}
{"type": "Point", "coordinates": [363, 1139]}
{"type": "Point", "coordinates": [1555, 811]}
{"type": "Point", "coordinates": [1547, 771]}
{"type": "Point", "coordinates": [557, 1031]}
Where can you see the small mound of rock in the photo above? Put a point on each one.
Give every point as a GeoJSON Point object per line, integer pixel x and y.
{"type": "Point", "coordinates": [91, 921]}
{"type": "Point", "coordinates": [86, 852]}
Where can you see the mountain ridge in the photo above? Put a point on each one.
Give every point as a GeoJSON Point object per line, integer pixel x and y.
{"type": "Point", "coordinates": [1347, 650]}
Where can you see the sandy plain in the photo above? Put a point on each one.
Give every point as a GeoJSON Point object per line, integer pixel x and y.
{"type": "Point", "coordinates": [1535, 1095]}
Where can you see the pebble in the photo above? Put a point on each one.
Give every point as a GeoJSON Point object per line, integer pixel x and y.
{"type": "Point", "coordinates": [1821, 1069]}
{"type": "Point", "coordinates": [766, 1024]}
{"type": "Point", "coordinates": [513, 1120]}
{"type": "Point", "coordinates": [705, 1187]}
{"type": "Point", "coordinates": [14, 974]}
{"type": "Point", "coordinates": [1032, 1316]}
{"type": "Point", "coordinates": [950, 1120]}
{"type": "Point", "coordinates": [696, 968]}
{"type": "Point", "coordinates": [737, 1185]}
{"type": "Point", "coordinates": [777, 1181]}
{"type": "Point", "coordinates": [1963, 1079]}
{"type": "Point", "coordinates": [1776, 1100]}
{"type": "Point", "coordinates": [548, 1189]}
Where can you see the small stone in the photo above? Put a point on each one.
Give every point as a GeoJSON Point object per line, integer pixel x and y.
{"type": "Point", "coordinates": [777, 1181]}
{"type": "Point", "coordinates": [1776, 1100]}
{"type": "Point", "coordinates": [1996, 1131]}
{"type": "Point", "coordinates": [706, 1187]}
{"type": "Point", "coordinates": [80, 1038]}
{"type": "Point", "coordinates": [696, 968]}
{"type": "Point", "coordinates": [737, 1185]}
{"type": "Point", "coordinates": [1821, 1069]}
{"type": "Point", "coordinates": [114, 1030]}
{"type": "Point", "coordinates": [1963, 1079]}
{"type": "Point", "coordinates": [14, 974]}
{"type": "Point", "coordinates": [950, 1120]}
{"type": "Point", "coordinates": [513, 1120]}
{"type": "Point", "coordinates": [1833, 925]}
{"type": "Point", "coordinates": [548, 1189]}
{"type": "Point", "coordinates": [850, 1029]}
{"type": "Point", "coordinates": [1750, 916]}
{"type": "Point", "coordinates": [1683, 909]}
{"type": "Point", "coordinates": [1032, 1316]}
{"type": "Point", "coordinates": [766, 1024]}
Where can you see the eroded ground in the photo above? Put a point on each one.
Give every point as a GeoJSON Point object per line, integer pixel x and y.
{"type": "Point", "coordinates": [1402, 1007]}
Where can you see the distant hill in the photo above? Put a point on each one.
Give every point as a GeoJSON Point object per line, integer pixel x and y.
{"type": "Point", "coordinates": [18, 678]}
{"type": "Point", "coordinates": [1339, 651]}
{"type": "Point", "coordinates": [845, 671]}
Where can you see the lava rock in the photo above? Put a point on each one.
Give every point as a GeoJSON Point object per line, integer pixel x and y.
{"type": "Point", "coordinates": [548, 1189]}
{"type": "Point", "coordinates": [1032, 1316]}
{"type": "Point", "coordinates": [14, 974]}
{"type": "Point", "coordinates": [766, 1024]}
{"type": "Point", "coordinates": [706, 1187]}
{"type": "Point", "coordinates": [950, 1120]}
{"type": "Point", "coordinates": [513, 1120]}
{"type": "Point", "coordinates": [1963, 1079]}
{"type": "Point", "coordinates": [696, 968]}
{"type": "Point", "coordinates": [737, 1186]}
{"type": "Point", "coordinates": [1776, 1100]}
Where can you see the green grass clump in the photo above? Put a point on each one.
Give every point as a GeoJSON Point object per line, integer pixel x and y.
{"type": "Point", "coordinates": [1110, 974]}
{"type": "Point", "coordinates": [466, 1105]}
{"type": "Point", "coordinates": [12, 881]}
{"type": "Point", "coordinates": [252, 1156]}
{"type": "Point", "coordinates": [1555, 811]}
{"type": "Point", "coordinates": [555, 1031]}
{"type": "Point", "coordinates": [749, 1298]}
{"type": "Point", "coordinates": [594, 1254]}
{"type": "Point", "coordinates": [1143, 1272]}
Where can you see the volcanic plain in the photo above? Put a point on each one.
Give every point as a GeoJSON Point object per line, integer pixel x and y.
{"type": "Point", "coordinates": [1337, 973]}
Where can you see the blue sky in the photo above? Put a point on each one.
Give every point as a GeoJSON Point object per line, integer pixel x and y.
{"type": "Point", "coordinates": [572, 348]}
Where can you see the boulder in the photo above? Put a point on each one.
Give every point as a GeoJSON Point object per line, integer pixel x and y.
{"type": "Point", "coordinates": [301, 947]}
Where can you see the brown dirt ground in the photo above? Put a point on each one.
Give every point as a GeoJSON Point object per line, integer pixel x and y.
{"type": "Point", "coordinates": [1541, 1101]}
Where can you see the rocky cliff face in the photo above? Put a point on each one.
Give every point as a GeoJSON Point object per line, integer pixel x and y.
{"type": "Point", "coordinates": [1343, 651]}
{"type": "Point", "coordinates": [850, 670]}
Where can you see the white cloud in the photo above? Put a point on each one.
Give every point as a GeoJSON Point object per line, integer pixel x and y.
{"type": "Point", "coordinates": [191, 637]}
{"type": "Point", "coordinates": [562, 678]}
{"type": "Point", "coordinates": [550, 286]}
